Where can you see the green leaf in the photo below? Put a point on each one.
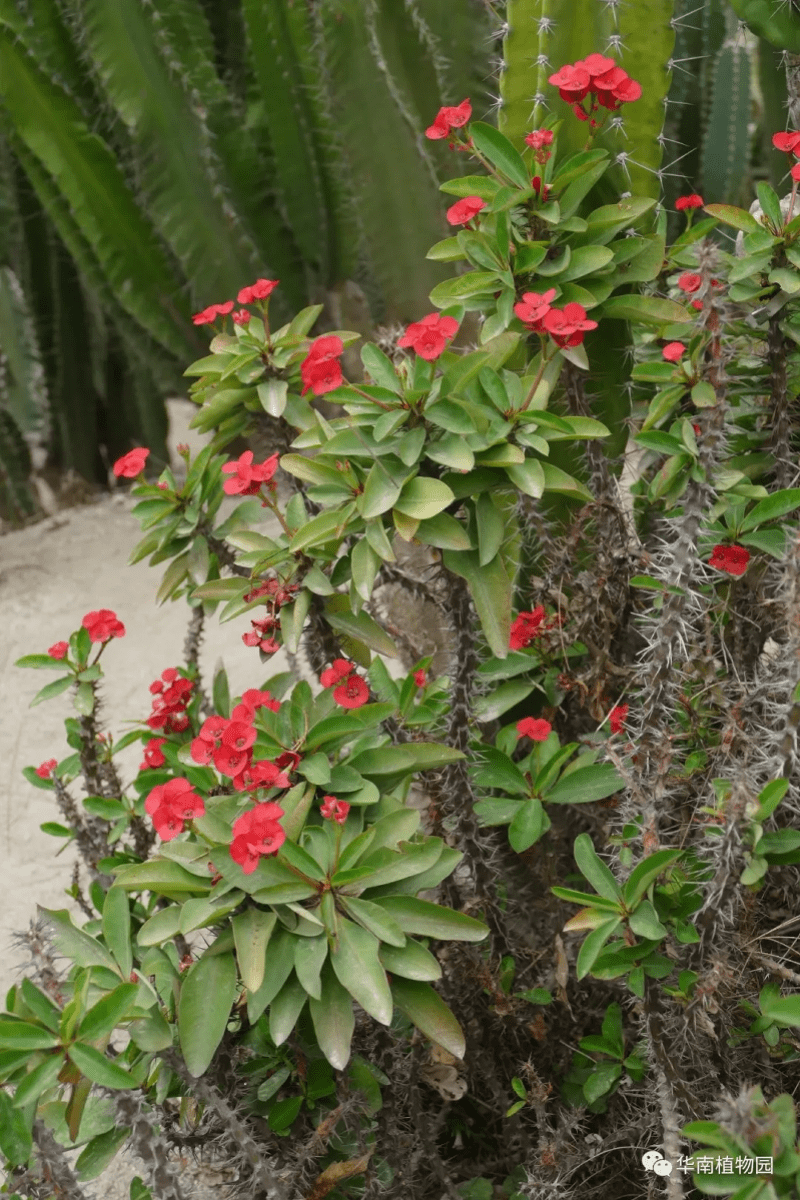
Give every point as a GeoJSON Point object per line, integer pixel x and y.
{"type": "Point", "coordinates": [735, 217]}
{"type": "Point", "coordinates": [500, 152]}
{"type": "Point", "coordinates": [444, 532]}
{"type": "Point", "coordinates": [252, 930]}
{"type": "Point", "coordinates": [412, 961]}
{"type": "Point", "coordinates": [381, 490]}
{"type": "Point", "coordinates": [380, 368]}
{"type": "Point", "coordinates": [373, 918]}
{"type": "Point", "coordinates": [100, 1152]}
{"type": "Point", "coordinates": [99, 1069]}
{"type": "Point", "coordinates": [426, 1009]}
{"type": "Point", "coordinates": [491, 591]}
{"type": "Point", "coordinates": [326, 527]}
{"type": "Point", "coordinates": [104, 1017]}
{"type": "Point", "coordinates": [645, 923]}
{"type": "Point", "coordinates": [424, 497]}
{"type": "Point", "coordinates": [162, 926]}
{"type": "Point", "coordinates": [281, 964]}
{"type": "Point", "coordinates": [529, 823]}
{"type": "Point", "coordinates": [594, 869]}
{"type": "Point", "coordinates": [38, 1080]}
{"type": "Point", "coordinates": [586, 785]}
{"type": "Point", "coordinates": [162, 876]}
{"type": "Point", "coordinates": [76, 945]}
{"type": "Point", "coordinates": [783, 1009]}
{"type": "Point", "coordinates": [530, 477]}
{"type": "Point", "coordinates": [40, 662]}
{"type": "Point", "coordinates": [52, 689]}
{"type": "Point", "coordinates": [221, 589]}
{"type": "Point", "coordinates": [643, 875]}
{"type": "Point", "coordinates": [117, 929]}
{"type": "Point", "coordinates": [432, 920]}
{"type": "Point", "coordinates": [647, 310]}
{"type": "Point", "coordinates": [774, 506]}
{"type": "Point", "coordinates": [593, 944]}
{"type": "Point", "coordinates": [556, 480]}
{"type": "Point", "coordinates": [333, 1019]}
{"type": "Point", "coordinates": [208, 991]}
{"type": "Point", "coordinates": [355, 961]}
{"type": "Point", "coordinates": [151, 1033]}
{"type": "Point", "coordinates": [19, 1035]}
{"type": "Point", "coordinates": [309, 957]}
{"type": "Point", "coordinates": [357, 625]}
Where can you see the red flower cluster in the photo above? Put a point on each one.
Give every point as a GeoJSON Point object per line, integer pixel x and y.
{"type": "Point", "coordinates": [45, 769]}
{"type": "Point", "coordinates": [248, 477]}
{"type": "Point", "coordinates": [464, 210]}
{"type": "Point", "coordinates": [334, 809]}
{"type": "Point", "coordinates": [210, 314]}
{"type": "Point", "coordinates": [447, 119]}
{"type": "Point", "coordinates": [352, 691]}
{"type": "Point", "coordinates": [257, 834]}
{"type": "Point", "coordinates": [617, 717]}
{"type": "Point", "coordinates": [788, 143]}
{"type": "Point", "coordinates": [153, 756]}
{"type": "Point", "coordinates": [131, 464]}
{"type": "Point", "coordinates": [169, 704]}
{"type": "Point", "coordinates": [526, 627]}
{"type": "Point", "coordinates": [608, 83]}
{"type": "Point", "coordinates": [430, 335]}
{"type": "Point", "coordinates": [538, 730]}
{"type": "Point", "coordinates": [262, 289]}
{"type": "Point", "coordinates": [732, 559]}
{"type": "Point", "coordinates": [674, 351]}
{"type": "Point", "coordinates": [566, 326]}
{"type": "Point", "coordinates": [261, 634]}
{"type": "Point", "coordinates": [693, 201]}
{"type": "Point", "coordinates": [420, 678]}
{"type": "Point", "coordinates": [690, 282]}
{"type": "Point", "coordinates": [58, 650]}
{"type": "Point", "coordinates": [228, 744]}
{"type": "Point", "coordinates": [103, 625]}
{"type": "Point", "coordinates": [170, 804]}
{"type": "Point", "coordinates": [241, 316]}
{"type": "Point", "coordinates": [321, 370]}
{"type": "Point", "coordinates": [539, 140]}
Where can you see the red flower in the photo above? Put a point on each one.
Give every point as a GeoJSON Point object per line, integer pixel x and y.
{"type": "Point", "coordinates": [45, 769]}
{"type": "Point", "coordinates": [539, 138]}
{"type": "Point", "coordinates": [698, 304]}
{"type": "Point", "coordinates": [262, 774]}
{"type": "Point", "coordinates": [572, 82]}
{"type": "Point", "coordinates": [352, 693]}
{"type": "Point", "coordinates": [58, 650]}
{"type": "Point", "coordinates": [732, 559]}
{"type": "Point", "coordinates": [617, 717]}
{"type": "Point", "coordinates": [247, 475]}
{"type": "Point", "coordinates": [674, 351]}
{"type": "Point", "coordinates": [254, 699]}
{"type": "Point", "coordinates": [170, 804]}
{"type": "Point", "coordinates": [420, 678]}
{"type": "Point", "coordinates": [321, 370]}
{"type": "Point", "coordinates": [242, 317]}
{"type": "Point", "coordinates": [693, 201]}
{"type": "Point", "coordinates": [103, 625]}
{"type": "Point", "coordinates": [536, 730]}
{"type": "Point", "coordinates": [447, 119]}
{"type": "Point", "coordinates": [210, 314]}
{"type": "Point", "coordinates": [153, 756]}
{"type": "Point", "coordinates": [169, 704]}
{"type": "Point", "coordinates": [464, 210]}
{"type": "Point", "coordinates": [536, 184]}
{"type": "Point", "coordinates": [262, 289]}
{"type": "Point", "coordinates": [334, 809]}
{"type": "Point", "coordinates": [690, 282]}
{"type": "Point", "coordinates": [795, 172]}
{"type": "Point", "coordinates": [429, 336]}
{"type": "Point", "coordinates": [257, 833]}
{"type": "Point", "coordinates": [288, 761]}
{"type": "Point", "coordinates": [533, 308]}
{"type": "Point", "coordinates": [568, 325]}
{"type": "Point", "coordinates": [131, 464]}
{"type": "Point", "coordinates": [340, 670]}
{"type": "Point", "coordinates": [239, 736]}
{"type": "Point", "coordinates": [230, 761]}
{"type": "Point", "coordinates": [789, 143]}
{"type": "Point", "coordinates": [526, 627]}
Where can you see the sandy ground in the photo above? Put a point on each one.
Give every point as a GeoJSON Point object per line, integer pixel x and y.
{"type": "Point", "coordinates": [51, 574]}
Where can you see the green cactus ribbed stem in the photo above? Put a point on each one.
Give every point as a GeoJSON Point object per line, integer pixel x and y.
{"type": "Point", "coordinates": [726, 144]}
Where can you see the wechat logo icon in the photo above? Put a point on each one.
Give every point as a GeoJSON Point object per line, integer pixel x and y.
{"type": "Point", "coordinates": [654, 1161]}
